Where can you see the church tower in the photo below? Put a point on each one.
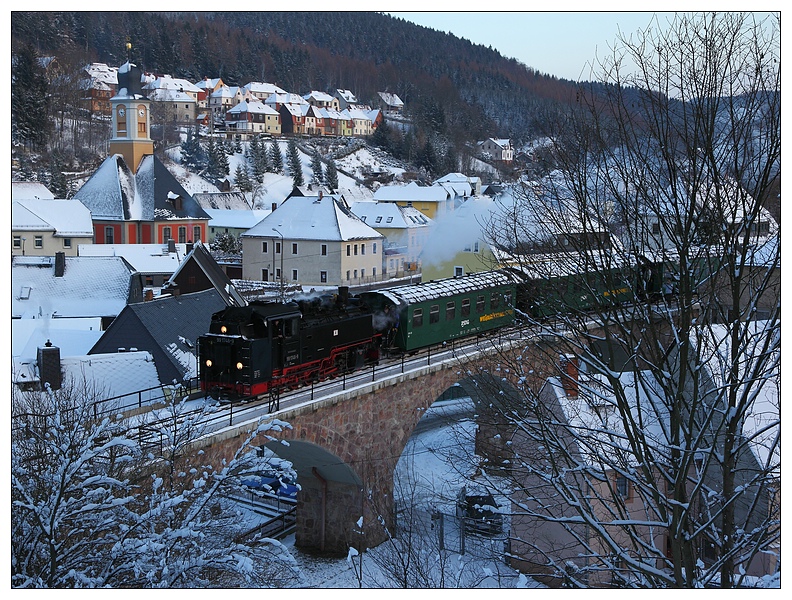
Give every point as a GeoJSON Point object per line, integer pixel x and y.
{"type": "Point", "coordinates": [131, 120]}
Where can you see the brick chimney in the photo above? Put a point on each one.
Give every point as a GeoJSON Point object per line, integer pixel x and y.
{"type": "Point", "coordinates": [570, 368]}
{"type": "Point", "coordinates": [171, 245]}
{"type": "Point", "coordinates": [60, 264]}
{"type": "Point", "coordinates": [49, 366]}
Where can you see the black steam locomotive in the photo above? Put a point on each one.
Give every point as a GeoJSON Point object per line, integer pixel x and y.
{"type": "Point", "coordinates": [253, 349]}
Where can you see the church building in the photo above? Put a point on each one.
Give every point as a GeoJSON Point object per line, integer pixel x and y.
{"type": "Point", "coordinates": [133, 198]}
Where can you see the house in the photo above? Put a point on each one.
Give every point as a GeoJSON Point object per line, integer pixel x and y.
{"type": "Point", "coordinates": [312, 240]}
{"type": "Point", "coordinates": [233, 222]}
{"type": "Point", "coordinates": [206, 87]}
{"type": "Point", "coordinates": [44, 227]}
{"type": "Point", "coordinates": [166, 82]}
{"type": "Point", "coordinates": [390, 102]}
{"type": "Point", "coordinates": [322, 100]}
{"type": "Point", "coordinates": [199, 272]}
{"type": "Point", "coordinates": [72, 287]}
{"type": "Point", "coordinates": [30, 190]}
{"type": "Point", "coordinates": [155, 263]}
{"type": "Point", "coordinates": [167, 328]}
{"type": "Point", "coordinates": [497, 149]}
{"type": "Point", "coordinates": [433, 201]}
{"type": "Point", "coordinates": [252, 117]}
{"type": "Point", "coordinates": [406, 230]}
{"type": "Point", "coordinates": [457, 243]}
{"type": "Point", "coordinates": [133, 198]}
{"type": "Point", "coordinates": [277, 100]}
{"type": "Point", "coordinates": [361, 123]}
{"type": "Point", "coordinates": [261, 90]}
{"type": "Point", "coordinates": [460, 185]}
{"type": "Point", "coordinates": [98, 84]}
{"type": "Point", "coordinates": [221, 100]}
{"type": "Point", "coordinates": [345, 99]}
{"type": "Point", "coordinates": [173, 106]}
{"type": "Point", "coordinates": [292, 117]}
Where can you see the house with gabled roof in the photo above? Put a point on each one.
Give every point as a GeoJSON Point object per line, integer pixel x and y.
{"type": "Point", "coordinates": [433, 201]}
{"type": "Point", "coordinates": [312, 240]}
{"type": "Point", "coordinates": [198, 272]}
{"type": "Point", "coordinates": [44, 227]}
{"type": "Point", "coordinates": [390, 102]}
{"type": "Point", "coordinates": [155, 263]}
{"type": "Point", "coordinates": [205, 88]}
{"type": "Point", "coordinates": [261, 90]}
{"type": "Point", "coordinates": [30, 190]}
{"type": "Point", "coordinates": [345, 99]}
{"type": "Point", "coordinates": [222, 99]}
{"type": "Point", "coordinates": [499, 149]}
{"type": "Point", "coordinates": [63, 286]}
{"type": "Point", "coordinates": [252, 117]}
{"type": "Point", "coordinates": [167, 328]}
{"type": "Point", "coordinates": [405, 228]}
{"type": "Point", "coordinates": [321, 100]}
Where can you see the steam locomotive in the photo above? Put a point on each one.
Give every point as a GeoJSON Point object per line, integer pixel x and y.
{"type": "Point", "coordinates": [265, 346]}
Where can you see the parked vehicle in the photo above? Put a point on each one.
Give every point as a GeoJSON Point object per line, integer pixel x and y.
{"type": "Point", "coordinates": [478, 511]}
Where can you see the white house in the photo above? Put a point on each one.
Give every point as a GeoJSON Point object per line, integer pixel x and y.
{"type": "Point", "coordinates": [312, 241]}
{"type": "Point", "coordinates": [44, 227]}
{"type": "Point", "coordinates": [498, 149]}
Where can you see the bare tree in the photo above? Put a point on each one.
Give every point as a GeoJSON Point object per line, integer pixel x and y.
{"type": "Point", "coordinates": [651, 456]}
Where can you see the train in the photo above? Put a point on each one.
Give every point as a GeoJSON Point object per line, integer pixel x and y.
{"type": "Point", "coordinates": [270, 346]}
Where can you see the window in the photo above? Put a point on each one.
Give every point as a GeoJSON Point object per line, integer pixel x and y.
{"type": "Point", "coordinates": [417, 320]}
{"type": "Point", "coordinates": [196, 233]}
{"type": "Point", "coordinates": [294, 274]}
{"type": "Point", "coordinates": [356, 249]}
{"type": "Point", "coordinates": [347, 275]}
{"type": "Point", "coordinates": [109, 236]}
{"type": "Point", "coordinates": [355, 273]}
{"type": "Point", "coordinates": [362, 249]}
{"type": "Point", "coordinates": [277, 247]}
{"type": "Point", "coordinates": [294, 248]}
{"type": "Point", "coordinates": [182, 235]}
{"type": "Point", "coordinates": [166, 234]}
{"type": "Point", "coordinates": [323, 276]}
{"type": "Point", "coordinates": [459, 271]}
{"type": "Point", "coordinates": [475, 247]}
{"type": "Point", "coordinates": [479, 304]}
{"type": "Point", "coordinates": [277, 273]}
{"type": "Point", "coordinates": [149, 280]}
{"type": "Point", "coordinates": [362, 272]}
{"type": "Point", "coordinates": [465, 309]}
{"type": "Point", "coordinates": [494, 300]}
{"type": "Point", "coordinates": [264, 248]}
{"type": "Point", "coordinates": [379, 220]}
{"type": "Point", "coordinates": [450, 311]}
{"type": "Point", "coordinates": [324, 249]}
{"type": "Point", "coordinates": [434, 314]}
{"type": "Point", "coordinates": [374, 272]}
{"type": "Point", "coordinates": [67, 242]}
{"type": "Point", "coordinates": [374, 249]}
{"type": "Point", "coordinates": [264, 274]}
{"type": "Point", "coordinates": [623, 487]}
{"type": "Point", "coordinates": [655, 227]}
{"type": "Point", "coordinates": [349, 250]}
{"type": "Point", "coordinates": [389, 220]}
{"type": "Point", "coordinates": [17, 241]}
{"type": "Point", "coordinates": [507, 298]}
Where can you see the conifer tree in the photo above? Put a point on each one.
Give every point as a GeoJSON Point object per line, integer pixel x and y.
{"type": "Point", "coordinates": [331, 176]}
{"type": "Point", "coordinates": [276, 158]}
{"type": "Point", "coordinates": [316, 168]}
{"type": "Point", "coordinates": [295, 164]}
{"type": "Point", "coordinates": [242, 179]}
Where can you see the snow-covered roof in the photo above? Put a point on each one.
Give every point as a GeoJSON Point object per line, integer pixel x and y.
{"type": "Point", "coordinates": [389, 215]}
{"type": "Point", "coordinates": [91, 286]}
{"type": "Point", "coordinates": [26, 190]}
{"type": "Point", "coordinates": [169, 95]}
{"type": "Point", "coordinates": [236, 219]}
{"type": "Point", "coordinates": [251, 106]}
{"type": "Point", "coordinates": [207, 83]}
{"type": "Point", "coordinates": [412, 192]}
{"type": "Point", "coordinates": [313, 218]}
{"type": "Point", "coordinates": [258, 87]}
{"type": "Point", "coordinates": [359, 114]}
{"type": "Point", "coordinates": [72, 336]}
{"type": "Point", "coordinates": [166, 82]}
{"type": "Point", "coordinates": [391, 99]}
{"type": "Point", "coordinates": [287, 98]}
{"type": "Point", "coordinates": [347, 95]}
{"type": "Point", "coordinates": [319, 96]}
{"type": "Point", "coordinates": [144, 258]}
{"type": "Point", "coordinates": [66, 218]}
{"type": "Point", "coordinates": [102, 73]}
{"type": "Point", "coordinates": [431, 290]}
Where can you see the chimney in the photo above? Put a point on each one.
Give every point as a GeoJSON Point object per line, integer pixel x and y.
{"type": "Point", "coordinates": [274, 206]}
{"type": "Point", "coordinates": [60, 264]}
{"type": "Point", "coordinates": [189, 247]}
{"type": "Point", "coordinates": [171, 245]}
{"type": "Point", "coordinates": [343, 295]}
{"type": "Point", "coordinates": [48, 360]}
{"type": "Point", "coordinates": [570, 375]}
{"type": "Point", "coordinates": [148, 294]}
{"type": "Point", "coordinates": [174, 290]}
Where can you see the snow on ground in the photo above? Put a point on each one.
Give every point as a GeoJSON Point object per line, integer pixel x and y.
{"type": "Point", "coordinates": [437, 460]}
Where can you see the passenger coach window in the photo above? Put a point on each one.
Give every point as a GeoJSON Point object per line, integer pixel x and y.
{"type": "Point", "coordinates": [417, 317]}
{"type": "Point", "coordinates": [450, 311]}
{"type": "Point", "coordinates": [465, 310]}
{"type": "Point", "coordinates": [507, 298]}
{"type": "Point", "coordinates": [434, 314]}
{"type": "Point", "coordinates": [480, 304]}
{"type": "Point", "coordinates": [494, 300]}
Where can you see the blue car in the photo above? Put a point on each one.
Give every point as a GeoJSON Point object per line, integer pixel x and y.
{"type": "Point", "coordinates": [272, 483]}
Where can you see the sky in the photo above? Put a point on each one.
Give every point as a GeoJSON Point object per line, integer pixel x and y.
{"type": "Point", "coordinates": [562, 44]}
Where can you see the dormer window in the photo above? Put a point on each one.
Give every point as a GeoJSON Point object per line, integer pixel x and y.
{"type": "Point", "coordinates": [176, 199]}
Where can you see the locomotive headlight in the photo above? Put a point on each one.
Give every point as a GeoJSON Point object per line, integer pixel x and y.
{"type": "Point", "coordinates": [223, 329]}
{"type": "Point", "coordinates": [208, 362]}
{"type": "Point", "coordinates": [240, 366]}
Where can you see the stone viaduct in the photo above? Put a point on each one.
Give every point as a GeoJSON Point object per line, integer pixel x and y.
{"type": "Point", "coordinates": [345, 447]}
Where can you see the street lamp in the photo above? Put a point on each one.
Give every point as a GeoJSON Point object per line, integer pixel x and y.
{"type": "Point", "coordinates": [281, 267]}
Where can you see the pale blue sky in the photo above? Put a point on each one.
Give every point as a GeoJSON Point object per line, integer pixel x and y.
{"type": "Point", "coordinates": [555, 43]}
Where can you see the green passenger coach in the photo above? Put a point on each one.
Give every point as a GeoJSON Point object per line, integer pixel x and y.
{"type": "Point", "coordinates": [414, 316]}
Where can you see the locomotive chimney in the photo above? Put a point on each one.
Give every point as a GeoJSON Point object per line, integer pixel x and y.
{"type": "Point", "coordinates": [343, 294]}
